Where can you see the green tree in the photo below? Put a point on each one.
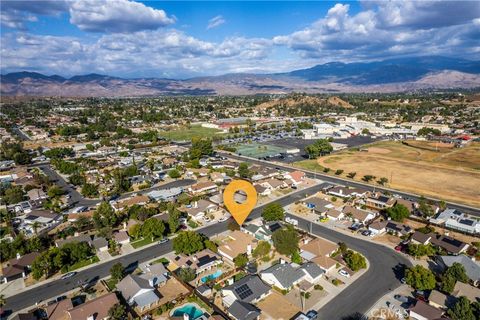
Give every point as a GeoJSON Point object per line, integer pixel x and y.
{"type": "Point", "coordinates": [273, 212]}
{"type": "Point", "coordinates": [368, 178]}
{"type": "Point", "coordinates": [420, 250]}
{"type": "Point", "coordinates": [425, 208]}
{"type": "Point", "coordinates": [240, 260]}
{"type": "Point", "coordinates": [187, 274]}
{"type": "Point", "coordinates": [243, 171]}
{"type": "Point", "coordinates": [420, 278]}
{"type": "Point", "coordinates": [355, 260]}
{"type": "Point", "coordinates": [173, 220]}
{"type": "Point", "coordinates": [117, 271]}
{"type": "Point", "coordinates": [382, 181]}
{"type": "Point", "coordinates": [77, 179]}
{"type": "Point", "coordinates": [212, 246]}
{"type": "Point", "coordinates": [398, 212]}
{"type": "Point", "coordinates": [105, 216]}
{"type": "Point", "coordinates": [3, 301]}
{"type": "Point", "coordinates": [462, 310]}
{"type": "Point", "coordinates": [188, 242]}
{"type": "Point", "coordinates": [456, 272]}
{"type": "Point", "coordinates": [135, 231]}
{"type": "Point", "coordinates": [117, 312]}
{"type": "Point", "coordinates": [318, 148]}
{"type": "Point", "coordinates": [338, 172]}
{"type": "Point", "coordinates": [263, 248]}
{"type": "Point", "coordinates": [174, 174]}
{"type": "Point", "coordinates": [296, 258]}
{"type": "Point", "coordinates": [285, 240]}
{"type": "Point", "coordinates": [90, 190]}
{"type": "Point", "coordinates": [153, 228]}
{"type": "Point", "coordinates": [351, 175]}
{"type": "Point", "coordinates": [12, 194]}
{"type": "Point", "coordinates": [200, 147]}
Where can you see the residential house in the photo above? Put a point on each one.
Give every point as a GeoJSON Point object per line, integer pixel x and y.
{"type": "Point", "coordinates": [273, 184]}
{"type": "Point", "coordinates": [139, 292]}
{"type": "Point", "coordinates": [121, 237]}
{"type": "Point", "coordinates": [236, 243]}
{"type": "Point", "coordinates": [80, 238]}
{"type": "Point", "coordinates": [262, 172]}
{"type": "Point", "coordinates": [72, 217]}
{"type": "Point", "coordinates": [472, 268]}
{"type": "Point", "coordinates": [397, 228]}
{"type": "Point", "coordinates": [296, 176]}
{"type": "Point", "coordinates": [261, 190]}
{"type": "Point", "coordinates": [139, 200]}
{"type": "Point", "coordinates": [410, 205]}
{"type": "Point", "coordinates": [19, 267]}
{"type": "Point", "coordinates": [200, 261]}
{"type": "Point", "coordinates": [100, 244]}
{"type": "Point", "coordinates": [440, 300]}
{"type": "Point", "coordinates": [94, 309]}
{"type": "Point", "coordinates": [260, 232]}
{"type": "Point", "coordinates": [334, 214]}
{"type": "Point", "coordinates": [358, 215]}
{"type": "Point", "coordinates": [313, 272]}
{"type": "Point", "coordinates": [457, 220]}
{"type": "Point", "coordinates": [378, 227]}
{"type": "Point", "coordinates": [465, 290]}
{"type": "Point", "coordinates": [449, 244]}
{"type": "Point", "coordinates": [240, 310]}
{"type": "Point", "coordinates": [423, 311]}
{"type": "Point", "coordinates": [318, 205]}
{"type": "Point", "coordinates": [249, 289]}
{"type": "Point", "coordinates": [203, 187]}
{"type": "Point", "coordinates": [282, 275]}
{"type": "Point", "coordinates": [420, 238]}
{"type": "Point", "coordinates": [59, 310]}
{"type": "Point", "coordinates": [201, 208]}
{"type": "Point", "coordinates": [344, 192]}
{"type": "Point", "coordinates": [43, 217]}
{"type": "Point", "coordinates": [319, 251]}
{"type": "Point", "coordinates": [379, 201]}
{"type": "Point", "coordinates": [217, 177]}
{"type": "Point", "coordinates": [165, 194]}
{"type": "Point", "coordinates": [37, 196]}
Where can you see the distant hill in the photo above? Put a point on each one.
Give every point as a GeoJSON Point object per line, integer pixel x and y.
{"type": "Point", "coordinates": [393, 75]}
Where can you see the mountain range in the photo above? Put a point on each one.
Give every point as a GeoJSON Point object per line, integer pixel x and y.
{"type": "Point", "coordinates": [393, 75]}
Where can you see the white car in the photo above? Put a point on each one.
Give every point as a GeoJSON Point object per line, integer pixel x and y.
{"type": "Point", "coordinates": [291, 221]}
{"type": "Point", "coordinates": [344, 273]}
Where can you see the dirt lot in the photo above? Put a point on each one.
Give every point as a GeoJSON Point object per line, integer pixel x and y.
{"type": "Point", "coordinates": [426, 168]}
{"type": "Point", "coordinates": [276, 306]}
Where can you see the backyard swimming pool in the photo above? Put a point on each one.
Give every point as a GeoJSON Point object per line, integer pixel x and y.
{"type": "Point", "coordinates": [212, 276]}
{"type": "Point", "coordinates": [192, 310]}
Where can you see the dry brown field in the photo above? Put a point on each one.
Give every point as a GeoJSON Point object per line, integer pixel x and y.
{"type": "Point", "coordinates": [427, 168]}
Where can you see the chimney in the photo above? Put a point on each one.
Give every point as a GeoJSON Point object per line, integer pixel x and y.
{"type": "Point", "coordinates": [195, 258]}
{"type": "Point", "coordinates": [124, 225]}
{"type": "Point", "coordinates": [18, 255]}
{"type": "Point", "coordinates": [249, 249]}
{"type": "Point", "coordinates": [195, 204]}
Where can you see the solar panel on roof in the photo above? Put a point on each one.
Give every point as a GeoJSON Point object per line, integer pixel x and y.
{"type": "Point", "coordinates": [243, 291]}
{"type": "Point", "coordinates": [468, 222]}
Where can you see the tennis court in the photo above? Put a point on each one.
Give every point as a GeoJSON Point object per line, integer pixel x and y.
{"type": "Point", "coordinates": [256, 150]}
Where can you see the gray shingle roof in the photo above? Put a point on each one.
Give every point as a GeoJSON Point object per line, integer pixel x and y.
{"type": "Point", "coordinates": [243, 310]}
{"type": "Point", "coordinates": [248, 288]}
{"type": "Point", "coordinates": [285, 274]}
{"type": "Point", "coordinates": [472, 268]}
{"type": "Point", "coordinates": [312, 269]}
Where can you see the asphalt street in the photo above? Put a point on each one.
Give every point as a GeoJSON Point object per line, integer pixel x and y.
{"type": "Point", "coordinates": [349, 183]}
{"type": "Point", "coordinates": [357, 298]}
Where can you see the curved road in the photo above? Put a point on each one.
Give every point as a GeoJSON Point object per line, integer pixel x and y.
{"type": "Point", "coordinates": [357, 298]}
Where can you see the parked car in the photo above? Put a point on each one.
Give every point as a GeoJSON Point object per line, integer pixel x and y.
{"type": "Point", "coordinates": [401, 298]}
{"type": "Point", "coordinates": [291, 221]}
{"type": "Point", "coordinates": [344, 273]}
{"type": "Point", "coordinates": [355, 226]}
{"type": "Point", "coordinates": [312, 314]}
{"type": "Point", "coordinates": [164, 240]}
{"type": "Point", "coordinates": [68, 275]}
{"type": "Point", "coordinates": [366, 233]}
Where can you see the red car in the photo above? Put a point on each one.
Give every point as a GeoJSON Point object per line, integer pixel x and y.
{"type": "Point", "coordinates": [399, 248]}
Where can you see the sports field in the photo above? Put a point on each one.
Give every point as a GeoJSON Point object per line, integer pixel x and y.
{"type": "Point", "coordinates": [256, 150]}
{"type": "Point", "coordinates": [422, 167]}
{"type": "Point", "coordinates": [188, 133]}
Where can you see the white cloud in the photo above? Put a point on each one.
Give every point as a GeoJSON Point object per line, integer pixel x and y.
{"type": "Point", "coordinates": [116, 16]}
{"type": "Point", "coordinates": [215, 22]}
{"type": "Point", "coordinates": [16, 13]}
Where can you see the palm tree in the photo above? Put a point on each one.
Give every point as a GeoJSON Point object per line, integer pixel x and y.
{"type": "Point", "coordinates": [35, 226]}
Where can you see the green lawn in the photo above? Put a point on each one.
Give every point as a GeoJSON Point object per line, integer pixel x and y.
{"type": "Point", "coordinates": [111, 283]}
{"type": "Point", "coordinates": [189, 133]}
{"type": "Point", "coordinates": [310, 164]}
{"type": "Point", "coordinates": [82, 264]}
{"type": "Point", "coordinates": [142, 242]}
{"type": "Point", "coordinates": [257, 150]}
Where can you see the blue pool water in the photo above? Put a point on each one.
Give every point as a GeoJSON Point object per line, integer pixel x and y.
{"type": "Point", "coordinates": [213, 276]}
{"type": "Point", "coordinates": [189, 309]}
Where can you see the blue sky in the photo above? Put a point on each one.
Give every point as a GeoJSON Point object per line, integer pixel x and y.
{"type": "Point", "coordinates": [181, 39]}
